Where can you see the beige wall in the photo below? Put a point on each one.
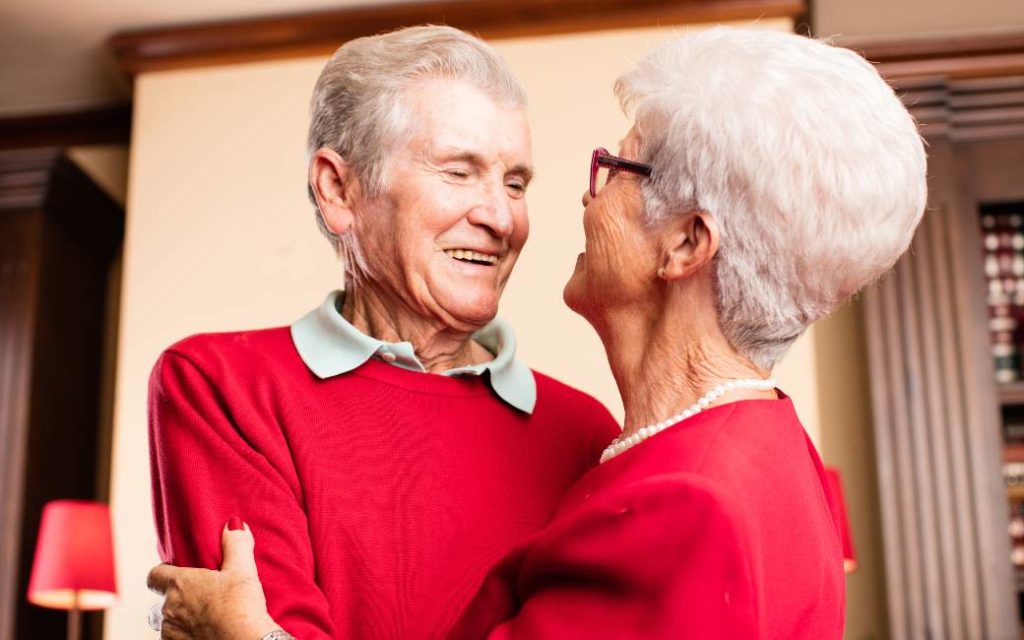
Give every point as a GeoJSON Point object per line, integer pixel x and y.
{"type": "Point", "coordinates": [847, 442]}
{"type": "Point", "coordinates": [220, 236]}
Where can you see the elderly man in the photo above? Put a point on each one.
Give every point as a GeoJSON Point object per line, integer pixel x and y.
{"type": "Point", "coordinates": [387, 447]}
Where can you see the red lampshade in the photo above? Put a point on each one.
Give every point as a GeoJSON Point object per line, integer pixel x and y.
{"type": "Point", "coordinates": [836, 485]}
{"type": "Point", "coordinates": [74, 565]}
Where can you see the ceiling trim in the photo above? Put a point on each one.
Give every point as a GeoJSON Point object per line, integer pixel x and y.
{"type": "Point", "coordinates": [967, 109]}
{"type": "Point", "coordinates": [962, 56]}
{"type": "Point", "coordinates": [968, 87]}
{"type": "Point", "coordinates": [312, 34]}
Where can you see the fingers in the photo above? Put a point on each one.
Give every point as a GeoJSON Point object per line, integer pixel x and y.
{"type": "Point", "coordinates": [161, 577]}
{"type": "Point", "coordinates": [171, 631]}
{"type": "Point", "coordinates": [239, 550]}
{"type": "Point", "coordinates": [168, 580]}
{"type": "Point", "coordinates": [161, 621]}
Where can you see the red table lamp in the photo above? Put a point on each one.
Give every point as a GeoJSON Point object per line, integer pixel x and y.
{"type": "Point", "coordinates": [836, 485]}
{"type": "Point", "coordinates": [74, 563]}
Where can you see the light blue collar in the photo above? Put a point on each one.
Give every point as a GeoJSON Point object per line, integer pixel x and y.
{"type": "Point", "coordinates": [330, 346]}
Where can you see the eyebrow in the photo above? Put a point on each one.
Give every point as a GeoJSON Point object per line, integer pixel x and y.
{"type": "Point", "coordinates": [523, 171]}
{"type": "Point", "coordinates": [449, 154]}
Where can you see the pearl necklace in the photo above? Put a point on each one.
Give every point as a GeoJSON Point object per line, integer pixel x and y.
{"type": "Point", "coordinates": [621, 444]}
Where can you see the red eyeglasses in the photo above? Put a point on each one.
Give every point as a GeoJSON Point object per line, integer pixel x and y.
{"type": "Point", "coordinates": [604, 166]}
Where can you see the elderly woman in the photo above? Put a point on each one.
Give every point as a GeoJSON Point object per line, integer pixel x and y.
{"type": "Point", "coordinates": [767, 177]}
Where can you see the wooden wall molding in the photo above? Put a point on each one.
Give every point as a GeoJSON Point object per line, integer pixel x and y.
{"type": "Point", "coordinates": [956, 57]}
{"type": "Point", "coordinates": [321, 33]}
{"type": "Point", "coordinates": [102, 125]}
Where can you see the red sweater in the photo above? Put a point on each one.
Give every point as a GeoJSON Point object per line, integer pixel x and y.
{"type": "Point", "coordinates": [719, 528]}
{"type": "Point", "coordinates": [379, 498]}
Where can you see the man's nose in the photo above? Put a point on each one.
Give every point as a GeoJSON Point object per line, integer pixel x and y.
{"type": "Point", "coordinates": [494, 211]}
{"type": "Point", "coordinates": [586, 198]}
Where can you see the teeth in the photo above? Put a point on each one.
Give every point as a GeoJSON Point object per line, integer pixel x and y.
{"type": "Point", "coordinates": [465, 254]}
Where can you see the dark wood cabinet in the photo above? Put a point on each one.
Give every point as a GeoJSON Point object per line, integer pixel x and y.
{"type": "Point", "coordinates": [58, 235]}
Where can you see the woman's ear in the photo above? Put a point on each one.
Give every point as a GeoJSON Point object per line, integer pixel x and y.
{"type": "Point", "coordinates": [689, 243]}
{"type": "Point", "coordinates": [335, 188]}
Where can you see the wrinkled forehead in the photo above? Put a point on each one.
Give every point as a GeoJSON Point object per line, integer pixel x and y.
{"type": "Point", "coordinates": [450, 114]}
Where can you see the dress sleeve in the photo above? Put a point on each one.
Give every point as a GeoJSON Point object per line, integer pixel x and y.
{"type": "Point", "coordinates": [210, 462]}
{"type": "Point", "coordinates": [658, 559]}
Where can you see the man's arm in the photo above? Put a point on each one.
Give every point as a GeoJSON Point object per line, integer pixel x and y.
{"type": "Point", "coordinates": [207, 467]}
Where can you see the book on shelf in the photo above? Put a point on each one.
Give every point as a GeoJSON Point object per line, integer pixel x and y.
{"type": "Point", "coordinates": [1013, 432]}
{"type": "Point", "coordinates": [1003, 259]}
{"type": "Point", "coordinates": [1013, 453]}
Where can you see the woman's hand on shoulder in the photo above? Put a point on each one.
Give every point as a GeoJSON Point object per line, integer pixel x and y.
{"type": "Point", "coordinates": [201, 604]}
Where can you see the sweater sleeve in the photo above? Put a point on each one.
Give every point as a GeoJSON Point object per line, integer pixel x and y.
{"type": "Point", "coordinates": [209, 464]}
{"type": "Point", "coordinates": [660, 559]}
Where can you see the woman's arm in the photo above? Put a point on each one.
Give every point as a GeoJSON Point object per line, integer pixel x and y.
{"type": "Point", "coordinates": [204, 604]}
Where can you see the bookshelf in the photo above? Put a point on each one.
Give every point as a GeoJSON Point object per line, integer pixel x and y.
{"type": "Point", "coordinates": [947, 383]}
{"type": "Point", "coordinates": [1002, 237]}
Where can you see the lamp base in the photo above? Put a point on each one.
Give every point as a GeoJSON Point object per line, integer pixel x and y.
{"type": "Point", "coordinates": [74, 623]}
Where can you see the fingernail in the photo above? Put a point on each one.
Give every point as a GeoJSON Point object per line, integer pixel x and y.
{"type": "Point", "coordinates": [235, 524]}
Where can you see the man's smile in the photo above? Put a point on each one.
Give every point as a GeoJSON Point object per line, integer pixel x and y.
{"type": "Point", "coordinates": [472, 257]}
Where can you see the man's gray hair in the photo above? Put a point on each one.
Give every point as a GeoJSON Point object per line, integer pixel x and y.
{"type": "Point", "coordinates": [357, 108]}
{"type": "Point", "coordinates": [810, 164]}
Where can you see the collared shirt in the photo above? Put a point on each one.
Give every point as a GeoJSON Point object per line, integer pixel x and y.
{"type": "Point", "coordinates": [330, 345]}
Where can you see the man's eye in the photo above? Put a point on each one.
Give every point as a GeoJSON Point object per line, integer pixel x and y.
{"type": "Point", "coordinates": [457, 173]}
{"type": "Point", "coordinates": [517, 187]}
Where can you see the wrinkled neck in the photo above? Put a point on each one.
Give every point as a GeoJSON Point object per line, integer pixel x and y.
{"type": "Point", "coordinates": [438, 346]}
{"type": "Point", "coordinates": [668, 355]}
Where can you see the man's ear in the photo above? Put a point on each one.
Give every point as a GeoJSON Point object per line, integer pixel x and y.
{"type": "Point", "coordinates": [335, 187]}
{"type": "Point", "coordinates": [689, 243]}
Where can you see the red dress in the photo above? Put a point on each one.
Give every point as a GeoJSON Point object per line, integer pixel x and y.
{"type": "Point", "coordinates": [718, 527]}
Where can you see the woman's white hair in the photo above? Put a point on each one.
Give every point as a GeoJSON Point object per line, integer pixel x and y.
{"type": "Point", "coordinates": [358, 111]}
{"type": "Point", "coordinates": [809, 163]}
